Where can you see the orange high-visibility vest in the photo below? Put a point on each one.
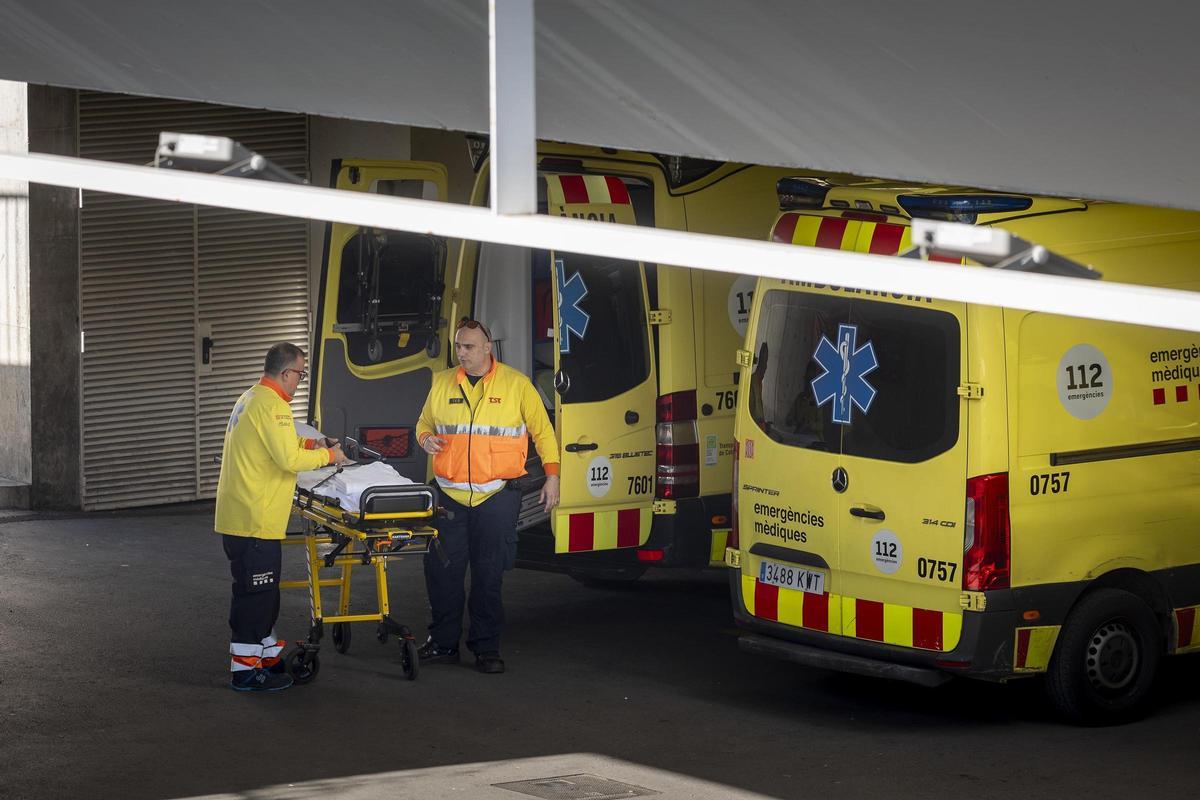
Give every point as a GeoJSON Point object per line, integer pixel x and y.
{"type": "Point", "coordinates": [486, 428]}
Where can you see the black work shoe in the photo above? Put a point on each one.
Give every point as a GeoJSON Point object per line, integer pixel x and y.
{"type": "Point", "coordinates": [431, 653]}
{"type": "Point", "coordinates": [258, 680]}
{"type": "Point", "coordinates": [489, 662]}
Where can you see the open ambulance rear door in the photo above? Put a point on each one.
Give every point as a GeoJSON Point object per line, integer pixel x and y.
{"type": "Point", "coordinates": [381, 319]}
{"type": "Point", "coordinates": [605, 382]}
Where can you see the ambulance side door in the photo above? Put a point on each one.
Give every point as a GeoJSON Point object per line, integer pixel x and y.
{"type": "Point", "coordinates": [380, 325]}
{"type": "Point", "coordinates": [605, 391]}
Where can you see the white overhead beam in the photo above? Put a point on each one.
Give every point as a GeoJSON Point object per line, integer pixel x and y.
{"type": "Point", "coordinates": [1142, 305]}
{"type": "Point", "coordinates": [513, 107]}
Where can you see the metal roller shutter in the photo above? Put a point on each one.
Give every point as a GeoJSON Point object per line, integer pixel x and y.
{"type": "Point", "coordinates": [155, 278]}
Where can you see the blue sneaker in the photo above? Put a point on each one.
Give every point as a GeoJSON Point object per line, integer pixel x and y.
{"type": "Point", "coordinates": [259, 680]}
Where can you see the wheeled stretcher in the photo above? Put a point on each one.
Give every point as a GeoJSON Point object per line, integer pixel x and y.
{"type": "Point", "coordinates": [390, 521]}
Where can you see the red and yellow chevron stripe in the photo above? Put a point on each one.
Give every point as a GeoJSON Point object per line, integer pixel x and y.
{"type": "Point", "coordinates": [1033, 647]}
{"type": "Point", "coordinates": [1187, 627]}
{"type": "Point", "coordinates": [855, 617]}
{"type": "Point", "coordinates": [851, 231]}
{"type": "Point", "coordinates": [602, 530]}
{"type": "Point", "coordinates": [600, 197]}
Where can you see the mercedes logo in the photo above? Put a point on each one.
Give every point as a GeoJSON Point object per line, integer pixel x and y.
{"type": "Point", "coordinates": [841, 481]}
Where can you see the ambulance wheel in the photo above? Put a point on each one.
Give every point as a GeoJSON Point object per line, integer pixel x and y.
{"type": "Point", "coordinates": [1106, 659]}
{"type": "Point", "coordinates": [410, 661]}
{"type": "Point", "coordinates": [303, 670]}
{"type": "Point", "coordinates": [611, 578]}
{"type": "Point", "coordinates": [341, 636]}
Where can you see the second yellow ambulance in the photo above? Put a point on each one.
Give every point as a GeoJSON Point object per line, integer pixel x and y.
{"type": "Point", "coordinates": [927, 489]}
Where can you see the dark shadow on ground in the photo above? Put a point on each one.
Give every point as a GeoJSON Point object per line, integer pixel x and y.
{"type": "Point", "coordinates": [112, 684]}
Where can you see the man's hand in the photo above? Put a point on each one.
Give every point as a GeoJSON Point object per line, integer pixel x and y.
{"type": "Point", "coordinates": [337, 456]}
{"type": "Point", "coordinates": [549, 496]}
{"type": "Point", "coordinates": [329, 441]}
{"type": "Point", "coordinates": [433, 444]}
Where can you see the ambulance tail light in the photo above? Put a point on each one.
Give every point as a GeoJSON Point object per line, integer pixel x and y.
{"type": "Point", "coordinates": [677, 440]}
{"type": "Point", "coordinates": [987, 546]}
{"type": "Point", "coordinates": [733, 540]}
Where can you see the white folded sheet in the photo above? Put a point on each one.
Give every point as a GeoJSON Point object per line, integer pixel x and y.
{"type": "Point", "coordinates": [348, 485]}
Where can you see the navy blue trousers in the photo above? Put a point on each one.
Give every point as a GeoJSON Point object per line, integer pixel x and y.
{"type": "Point", "coordinates": [484, 538]}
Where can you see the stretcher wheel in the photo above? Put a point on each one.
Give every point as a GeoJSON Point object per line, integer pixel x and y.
{"type": "Point", "coordinates": [341, 636]}
{"type": "Point", "coordinates": [410, 662]}
{"type": "Point", "coordinates": [301, 669]}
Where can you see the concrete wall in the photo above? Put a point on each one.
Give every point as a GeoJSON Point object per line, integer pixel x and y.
{"type": "Point", "coordinates": [449, 148]}
{"type": "Point", "coordinates": [14, 294]}
{"type": "Point", "coordinates": [54, 364]}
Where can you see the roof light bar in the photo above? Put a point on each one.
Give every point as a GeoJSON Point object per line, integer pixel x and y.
{"type": "Point", "coordinates": [960, 207]}
{"type": "Point", "coordinates": [797, 193]}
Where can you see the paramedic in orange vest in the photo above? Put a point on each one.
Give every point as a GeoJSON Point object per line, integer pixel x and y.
{"type": "Point", "coordinates": [476, 424]}
{"type": "Point", "coordinates": [261, 457]}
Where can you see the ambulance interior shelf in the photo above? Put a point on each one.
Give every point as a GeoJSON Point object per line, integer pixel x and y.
{"type": "Point", "coordinates": [390, 300]}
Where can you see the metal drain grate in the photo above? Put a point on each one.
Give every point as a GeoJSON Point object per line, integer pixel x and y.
{"type": "Point", "coordinates": [576, 787]}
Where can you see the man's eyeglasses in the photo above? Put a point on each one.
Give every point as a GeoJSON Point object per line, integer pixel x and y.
{"type": "Point", "coordinates": [303, 373]}
{"type": "Point", "coordinates": [467, 322]}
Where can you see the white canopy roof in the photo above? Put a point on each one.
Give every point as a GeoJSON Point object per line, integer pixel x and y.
{"type": "Point", "coordinates": [1070, 98]}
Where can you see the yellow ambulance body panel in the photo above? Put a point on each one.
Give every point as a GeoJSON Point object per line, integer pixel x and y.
{"type": "Point", "coordinates": [634, 362]}
{"type": "Point", "coordinates": [927, 488]}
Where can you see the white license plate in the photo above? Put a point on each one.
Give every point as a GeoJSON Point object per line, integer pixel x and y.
{"type": "Point", "coordinates": [788, 576]}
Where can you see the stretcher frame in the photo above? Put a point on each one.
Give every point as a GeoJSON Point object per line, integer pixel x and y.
{"type": "Point", "coordinates": [393, 522]}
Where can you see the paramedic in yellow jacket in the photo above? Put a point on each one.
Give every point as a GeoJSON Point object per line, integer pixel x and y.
{"type": "Point", "coordinates": [476, 424]}
{"type": "Point", "coordinates": [261, 457]}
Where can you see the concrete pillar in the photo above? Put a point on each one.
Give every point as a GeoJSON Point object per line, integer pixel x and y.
{"type": "Point", "coordinates": [54, 366]}
{"type": "Point", "coordinates": [15, 465]}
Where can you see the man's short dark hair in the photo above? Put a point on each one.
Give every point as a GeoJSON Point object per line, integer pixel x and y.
{"type": "Point", "coordinates": [280, 357]}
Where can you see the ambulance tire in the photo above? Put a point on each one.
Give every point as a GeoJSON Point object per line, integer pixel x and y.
{"type": "Point", "coordinates": [614, 578]}
{"type": "Point", "coordinates": [1106, 659]}
{"type": "Point", "coordinates": [303, 670]}
{"type": "Point", "coordinates": [341, 636]}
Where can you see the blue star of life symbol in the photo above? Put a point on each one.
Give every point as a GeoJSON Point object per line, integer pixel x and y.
{"type": "Point", "coordinates": [846, 367]}
{"type": "Point", "coordinates": [571, 318]}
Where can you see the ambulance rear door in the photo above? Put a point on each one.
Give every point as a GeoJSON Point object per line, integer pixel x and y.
{"type": "Point", "coordinates": [605, 382]}
{"type": "Point", "coordinates": [891, 381]}
{"type": "Point", "coordinates": [788, 481]}
{"type": "Point", "coordinates": [381, 318]}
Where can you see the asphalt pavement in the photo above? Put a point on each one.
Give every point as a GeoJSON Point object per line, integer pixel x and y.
{"type": "Point", "coordinates": [113, 676]}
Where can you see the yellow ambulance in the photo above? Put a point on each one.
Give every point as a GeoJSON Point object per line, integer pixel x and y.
{"type": "Point", "coordinates": [634, 362]}
{"type": "Point", "coordinates": [927, 488]}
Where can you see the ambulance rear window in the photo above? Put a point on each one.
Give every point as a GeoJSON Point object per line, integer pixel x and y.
{"type": "Point", "coordinates": [859, 377]}
{"type": "Point", "coordinates": [604, 349]}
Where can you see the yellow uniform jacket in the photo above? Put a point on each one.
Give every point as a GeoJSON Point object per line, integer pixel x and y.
{"type": "Point", "coordinates": [487, 428]}
{"type": "Point", "coordinates": [261, 457]}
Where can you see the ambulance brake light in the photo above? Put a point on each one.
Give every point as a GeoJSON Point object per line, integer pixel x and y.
{"type": "Point", "coordinates": [677, 447]}
{"type": "Point", "coordinates": [964, 208]}
{"type": "Point", "coordinates": [987, 546]}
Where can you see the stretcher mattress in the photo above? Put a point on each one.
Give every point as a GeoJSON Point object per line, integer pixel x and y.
{"type": "Point", "coordinates": [347, 486]}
